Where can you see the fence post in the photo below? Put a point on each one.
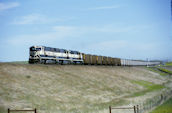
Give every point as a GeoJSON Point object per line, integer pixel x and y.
{"type": "Point", "coordinates": [8, 110]}
{"type": "Point", "coordinates": [137, 108]}
{"type": "Point", "coordinates": [35, 110]}
{"type": "Point", "coordinates": [109, 109]}
{"type": "Point", "coordinates": [134, 109]}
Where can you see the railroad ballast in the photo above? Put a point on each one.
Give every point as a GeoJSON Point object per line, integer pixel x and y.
{"type": "Point", "coordinates": [42, 54]}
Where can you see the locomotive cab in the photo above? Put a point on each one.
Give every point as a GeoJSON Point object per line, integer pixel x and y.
{"type": "Point", "coordinates": [35, 52]}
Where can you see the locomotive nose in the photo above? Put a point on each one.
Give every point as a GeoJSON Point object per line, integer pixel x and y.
{"type": "Point", "coordinates": [32, 53]}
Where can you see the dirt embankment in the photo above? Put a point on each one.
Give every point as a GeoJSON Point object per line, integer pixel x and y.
{"type": "Point", "coordinates": [76, 88]}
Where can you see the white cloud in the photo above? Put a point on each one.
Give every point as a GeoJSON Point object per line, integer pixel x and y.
{"type": "Point", "coordinates": [104, 7]}
{"type": "Point", "coordinates": [129, 49]}
{"type": "Point", "coordinates": [57, 33]}
{"type": "Point", "coordinates": [61, 32]}
{"type": "Point", "coordinates": [112, 45]}
{"type": "Point", "coordinates": [64, 28]}
{"type": "Point", "coordinates": [106, 47]}
{"type": "Point", "coordinates": [34, 19]}
{"type": "Point", "coordinates": [115, 29]}
{"type": "Point", "coordinates": [10, 5]}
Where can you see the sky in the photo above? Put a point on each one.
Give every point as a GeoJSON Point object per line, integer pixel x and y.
{"type": "Point", "coordinates": [128, 29]}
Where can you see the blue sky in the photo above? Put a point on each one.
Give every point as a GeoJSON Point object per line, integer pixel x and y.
{"type": "Point", "coordinates": [132, 29]}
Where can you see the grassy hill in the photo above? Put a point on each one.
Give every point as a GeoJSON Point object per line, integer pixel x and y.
{"type": "Point", "coordinates": [164, 108]}
{"type": "Point", "coordinates": [75, 88]}
{"type": "Point", "coordinates": [168, 64]}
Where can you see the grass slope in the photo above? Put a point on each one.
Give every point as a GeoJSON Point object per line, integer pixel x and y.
{"type": "Point", "coordinates": [161, 70]}
{"type": "Point", "coordinates": [156, 70]}
{"type": "Point", "coordinates": [165, 71]}
{"type": "Point", "coordinates": [149, 86]}
{"type": "Point", "coordinates": [168, 64]}
{"type": "Point", "coordinates": [72, 88]}
{"type": "Point", "coordinates": [19, 62]}
{"type": "Point", "coordinates": [164, 108]}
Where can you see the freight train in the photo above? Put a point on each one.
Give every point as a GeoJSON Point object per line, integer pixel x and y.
{"type": "Point", "coordinates": [42, 54]}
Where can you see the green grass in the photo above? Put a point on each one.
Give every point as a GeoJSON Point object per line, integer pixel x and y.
{"type": "Point", "coordinates": [3, 110]}
{"type": "Point", "coordinates": [168, 64]}
{"type": "Point", "coordinates": [157, 70]}
{"type": "Point", "coordinates": [164, 108]}
{"type": "Point", "coordinates": [149, 86]}
{"type": "Point", "coordinates": [165, 71]}
{"type": "Point", "coordinates": [161, 71]}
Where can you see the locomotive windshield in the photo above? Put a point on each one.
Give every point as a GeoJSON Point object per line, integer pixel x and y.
{"type": "Point", "coordinates": [35, 49]}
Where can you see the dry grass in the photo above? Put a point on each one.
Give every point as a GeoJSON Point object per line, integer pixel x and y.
{"type": "Point", "coordinates": [70, 88]}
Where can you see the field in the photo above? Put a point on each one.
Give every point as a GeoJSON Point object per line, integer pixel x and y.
{"type": "Point", "coordinates": [75, 88]}
{"type": "Point", "coordinates": [164, 108]}
{"type": "Point", "coordinates": [163, 70]}
{"type": "Point", "coordinates": [168, 64]}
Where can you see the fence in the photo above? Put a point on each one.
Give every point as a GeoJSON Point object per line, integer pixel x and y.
{"type": "Point", "coordinates": [150, 104]}
{"type": "Point", "coordinates": [135, 108]}
{"type": "Point", "coordinates": [9, 110]}
{"type": "Point", "coordinates": [143, 107]}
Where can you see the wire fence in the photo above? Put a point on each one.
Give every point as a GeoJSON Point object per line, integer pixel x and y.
{"type": "Point", "coordinates": [133, 109]}
{"type": "Point", "coordinates": [144, 107]}
{"type": "Point", "coordinates": [151, 103]}
{"type": "Point", "coordinates": [10, 110]}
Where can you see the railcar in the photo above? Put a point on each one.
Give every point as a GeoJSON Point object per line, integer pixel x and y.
{"type": "Point", "coordinates": [127, 62]}
{"type": "Point", "coordinates": [94, 60]}
{"type": "Point", "coordinates": [113, 61]}
{"type": "Point", "coordinates": [117, 61]}
{"type": "Point", "coordinates": [99, 60]}
{"type": "Point", "coordinates": [87, 59]}
{"type": "Point", "coordinates": [110, 61]}
{"type": "Point", "coordinates": [104, 61]}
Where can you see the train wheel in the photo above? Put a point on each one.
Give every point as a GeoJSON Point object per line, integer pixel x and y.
{"type": "Point", "coordinates": [45, 61]}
